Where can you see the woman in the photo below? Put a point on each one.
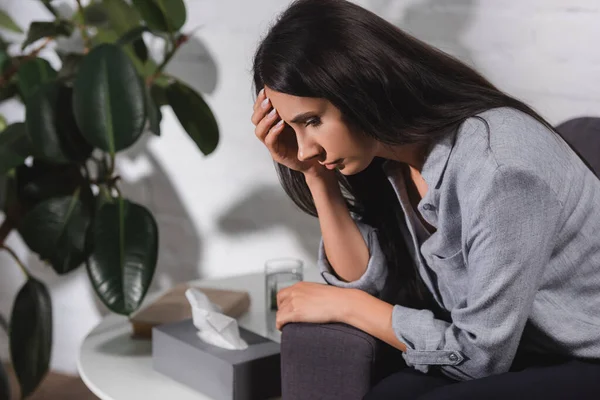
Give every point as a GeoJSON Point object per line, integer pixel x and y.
{"type": "Point", "coordinates": [457, 225]}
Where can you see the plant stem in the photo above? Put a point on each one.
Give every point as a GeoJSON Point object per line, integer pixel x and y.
{"type": "Point", "coordinates": [3, 324]}
{"type": "Point", "coordinates": [16, 258]}
{"type": "Point", "coordinates": [111, 166]}
{"type": "Point", "coordinates": [82, 28]}
{"type": "Point", "coordinates": [15, 66]}
{"type": "Point", "coordinates": [86, 171]}
{"type": "Point", "coordinates": [118, 190]}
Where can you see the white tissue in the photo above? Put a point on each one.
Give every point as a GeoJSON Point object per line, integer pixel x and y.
{"type": "Point", "coordinates": [213, 327]}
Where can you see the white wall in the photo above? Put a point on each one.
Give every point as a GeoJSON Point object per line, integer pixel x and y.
{"type": "Point", "coordinates": [225, 214]}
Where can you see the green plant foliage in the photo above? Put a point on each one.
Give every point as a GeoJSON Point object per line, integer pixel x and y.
{"type": "Point", "coordinates": [4, 384]}
{"type": "Point", "coordinates": [109, 99]}
{"type": "Point", "coordinates": [194, 115]}
{"type": "Point", "coordinates": [122, 17]}
{"type": "Point", "coordinates": [39, 30]}
{"type": "Point", "coordinates": [44, 180]}
{"type": "Point", "coordinates": [125, 239]}
{"type": "Point", "coordinates": [59, 183]}
{"type": "Point", "coordinates": [154, 114]}
{"type": "Point", "coordinates": [31, 335]}
{"type": "Point", "coordinates": [7, 22]}
{"type": "Point", "coordinates": [32, 74]}
{"type": "Point", "coordinates": [162, 15]}
{"type": "Point", "coordinates": [51, 125]}
{"type": "Point", "coordinates": [56, 230]}
{"type": "Point", "coordinates": [14, 147]}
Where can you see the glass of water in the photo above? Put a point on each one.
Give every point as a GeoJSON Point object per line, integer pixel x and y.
{"type": "Point", "coordinates": [281, 273]}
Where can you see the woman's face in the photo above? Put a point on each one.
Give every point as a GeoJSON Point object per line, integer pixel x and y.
{"type": "Point", "coordinates": [321, 133]}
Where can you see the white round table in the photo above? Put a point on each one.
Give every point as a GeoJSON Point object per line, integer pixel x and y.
{"type": "Point", "coordinates": [116, 367]}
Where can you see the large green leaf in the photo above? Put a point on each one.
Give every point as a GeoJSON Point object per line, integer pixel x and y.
{"type": "Point", "coordinates": [144, 69]}
{"type": "Point", "coordinates": [125, 239]}
{"type": "Point", "coordinates": [31, 335]}
{"type": "Point", "coordinates": [194, 115]}
{"type": "Point", "coordinates": [73, 143]}
{"type": "Point", "coordinates": [38, 30]}
{"type": "Point", "coordinates": [109, 99]}
{"type": "Point", "coordinates": [14, 147]}
{"type": "Point", "coordinates": [94, 14]}
{"type": "Point", "coordinates": [121, 15]}
{"type": "Point", "coordinates": [162, 15]}
{"type": "Point", "coordinates": [8, 193]}
{"type": "Point", "coordinates": [4, 384]}
{"type": "Point", "coordinates": [9, 88]}
{"type": "Point", "coordinates": [33, 74]}
{"type": "Point", "coordinates": [55, 229]}
{"type": "Point", "coordinates": [40, 118]}
{"type": "Point", "coordinates": [7, 22]}
{"type": "Point", "coordinates": [44, 180]}
{"type": "Point", "coordinates": [51, 125]}
{"type": "Point", "coordinates": [159, 94]}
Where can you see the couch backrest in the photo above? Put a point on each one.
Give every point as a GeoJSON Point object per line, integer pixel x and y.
{"type": "Point", "coordinates": [584, 135]}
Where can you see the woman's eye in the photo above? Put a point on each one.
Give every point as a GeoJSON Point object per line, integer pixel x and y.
{"type": "Point", "coordinates": [313, 122]}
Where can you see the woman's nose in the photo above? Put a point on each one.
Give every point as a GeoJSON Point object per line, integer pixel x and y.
{"type": "Point", "coordinates": [307, 149]}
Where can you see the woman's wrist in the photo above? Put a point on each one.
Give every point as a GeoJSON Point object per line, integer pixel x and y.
{"type": "Point", "coordinates": [349, 304]}
{"type": "Point", "coordinates": [319, 177]}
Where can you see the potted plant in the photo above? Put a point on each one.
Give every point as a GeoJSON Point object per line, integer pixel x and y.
{"type": "Point", "coordinates": [61, 192]}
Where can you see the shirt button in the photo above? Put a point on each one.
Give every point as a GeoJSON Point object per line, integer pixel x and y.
{"type": "Point", "coordinates": [453, 357]}
{"type": "Point", "coordinates": [428, 207]}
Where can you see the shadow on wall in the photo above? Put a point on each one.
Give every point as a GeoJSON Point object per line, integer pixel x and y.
{"type": "Point", "coordinates": [266, 207]}
{"type": "Point", "coordinates": [439, 23]}
{"type": "Point", "coordinates": [194, 65]}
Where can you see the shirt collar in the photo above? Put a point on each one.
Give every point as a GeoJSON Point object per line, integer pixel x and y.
{"type": "Point", "coordinates": [435, 162]}
{"type": "Point", "coordinates": [437, 159]}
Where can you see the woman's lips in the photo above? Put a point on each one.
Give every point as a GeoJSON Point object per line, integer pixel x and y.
{"type": "Point", "coordinates": [333, 164]}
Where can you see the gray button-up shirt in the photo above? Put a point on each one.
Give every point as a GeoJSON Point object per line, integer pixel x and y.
{"type": "Point", "coordinates": [515, 257]}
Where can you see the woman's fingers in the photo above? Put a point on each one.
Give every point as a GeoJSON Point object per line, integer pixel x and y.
{"type": "Point", "coordinates": [263, 127]}
{"type": "Point", "coordinates": [273, 135]}
{"type": "Point", "coordinates": [261, 108]}
{"type": "Point", "coordinates": [259, 99]}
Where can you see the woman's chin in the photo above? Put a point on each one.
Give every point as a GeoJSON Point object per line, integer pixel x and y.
{"type": "Point", "coordinates": [350, 168]}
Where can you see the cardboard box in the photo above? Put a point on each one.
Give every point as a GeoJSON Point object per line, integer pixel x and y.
{"type": "Point", "coordinates": [173, 306]}
{"type": "Point", "coordinates": [250, 374]}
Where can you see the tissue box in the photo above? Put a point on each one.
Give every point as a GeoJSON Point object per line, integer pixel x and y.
{"type": "Point", "coordinates": [250, 374]}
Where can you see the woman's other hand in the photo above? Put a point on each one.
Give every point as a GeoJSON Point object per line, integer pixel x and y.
{"type": "Point", "coordinates": [312, 302]}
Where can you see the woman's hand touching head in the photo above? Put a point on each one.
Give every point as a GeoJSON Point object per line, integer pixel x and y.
{"type": "Point", "coordinates": [309, 134]}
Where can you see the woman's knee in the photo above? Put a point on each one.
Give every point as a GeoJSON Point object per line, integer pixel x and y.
{"type": "Point", "coordinates": [406, 384]}
{"type": "Point", "coordinates": [570, 380]}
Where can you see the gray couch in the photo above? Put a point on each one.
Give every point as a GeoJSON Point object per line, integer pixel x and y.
{"type": "Point", "coordinates": [332, 361]}
{"type": "Point", "coordinates": [337, 361]}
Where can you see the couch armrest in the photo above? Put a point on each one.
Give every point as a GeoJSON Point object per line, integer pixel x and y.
{"type": "Point", "coordinates": [332, 361]}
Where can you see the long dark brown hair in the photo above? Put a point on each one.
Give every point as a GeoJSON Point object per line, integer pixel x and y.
{"type": "Point", "coordinates": [388, 85]}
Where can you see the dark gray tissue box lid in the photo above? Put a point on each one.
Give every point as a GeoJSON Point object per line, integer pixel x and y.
{"type": "Point", "coordinates": [250, 374]}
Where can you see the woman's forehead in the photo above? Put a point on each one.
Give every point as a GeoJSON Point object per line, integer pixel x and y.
{"type": "Point", "coordinates": [287, 103]}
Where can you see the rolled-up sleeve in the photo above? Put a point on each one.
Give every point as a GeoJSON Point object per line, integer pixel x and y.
{"type": "Point", "coordinates": [373, 279]}
{"type": "Point", "coordinates": [509, 242]}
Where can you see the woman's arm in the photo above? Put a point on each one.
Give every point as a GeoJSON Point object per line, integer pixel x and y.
{"type": "Point", "coordinates": [344, 244]}
{"type": "Point", "coordinates": [371, 315]}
